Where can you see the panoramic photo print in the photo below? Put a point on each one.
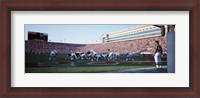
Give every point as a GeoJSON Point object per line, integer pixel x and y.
{"type": "Point", "coordinates": [99, 48]}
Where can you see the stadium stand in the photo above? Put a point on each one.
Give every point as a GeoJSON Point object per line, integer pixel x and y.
{"type": "Point", "coordinates": [141, 46]}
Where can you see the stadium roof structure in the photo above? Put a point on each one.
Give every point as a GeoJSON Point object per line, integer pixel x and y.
{"type": "Point", "coordinates": [138, 26]}
{"type": "Point", "coordinates": [134, 27]}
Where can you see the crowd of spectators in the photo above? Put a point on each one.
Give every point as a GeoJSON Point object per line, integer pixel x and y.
{"type": "Point", "coordinates": [37, 47]}
{"type": "Point", "coordinates": [135, 46]}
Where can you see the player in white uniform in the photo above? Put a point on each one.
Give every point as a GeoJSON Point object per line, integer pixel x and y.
{"type": "Point", "coordinates": [73, 55]}
{"type": "Point", "coordinates": [158, 55]}
{"type": "Point", "coordinates": [53, 54]}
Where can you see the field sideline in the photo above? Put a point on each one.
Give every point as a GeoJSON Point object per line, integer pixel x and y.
{"type": "Point", "coordinates": [35, 63]}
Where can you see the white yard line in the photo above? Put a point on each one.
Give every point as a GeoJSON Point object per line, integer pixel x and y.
{"type": "Point", "coordinates": [138, 69]}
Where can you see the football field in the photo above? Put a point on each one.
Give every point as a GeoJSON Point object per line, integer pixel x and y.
{"type": "Point", "coordinates": [40, 63]}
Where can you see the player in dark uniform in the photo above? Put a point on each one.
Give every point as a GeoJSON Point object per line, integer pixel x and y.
{"type": "Point", "coordinates": [158, 54]}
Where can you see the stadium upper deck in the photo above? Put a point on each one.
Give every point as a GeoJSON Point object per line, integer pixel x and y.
{"type": "Point", "coordinates": [142, 31]}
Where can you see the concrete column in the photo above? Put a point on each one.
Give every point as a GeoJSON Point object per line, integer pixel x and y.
{"type": "Point", "coordinates": [171, 49]}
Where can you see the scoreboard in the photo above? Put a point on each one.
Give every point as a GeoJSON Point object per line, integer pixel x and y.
{"type": "Point", "coordinates": [37, 36]}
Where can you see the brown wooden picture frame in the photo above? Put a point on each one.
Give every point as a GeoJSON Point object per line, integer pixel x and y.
{"type": "Point", "coordinates": [193, 91]}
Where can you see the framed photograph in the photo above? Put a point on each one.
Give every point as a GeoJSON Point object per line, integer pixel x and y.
{"type": "Point", "coordinates": [121, 48]}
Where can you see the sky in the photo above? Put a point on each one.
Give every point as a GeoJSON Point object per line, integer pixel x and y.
{"type": "Point", "coordinates": [80, 34]}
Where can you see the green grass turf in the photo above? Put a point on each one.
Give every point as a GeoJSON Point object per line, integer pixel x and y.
{"type": "Point", "coordinates": [81, 66]}
{"type": "Point", "coordinates": [82, 69]}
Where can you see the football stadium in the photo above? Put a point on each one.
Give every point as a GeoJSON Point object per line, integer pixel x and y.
{"type": "Point", "coordinates": [126, 51]}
